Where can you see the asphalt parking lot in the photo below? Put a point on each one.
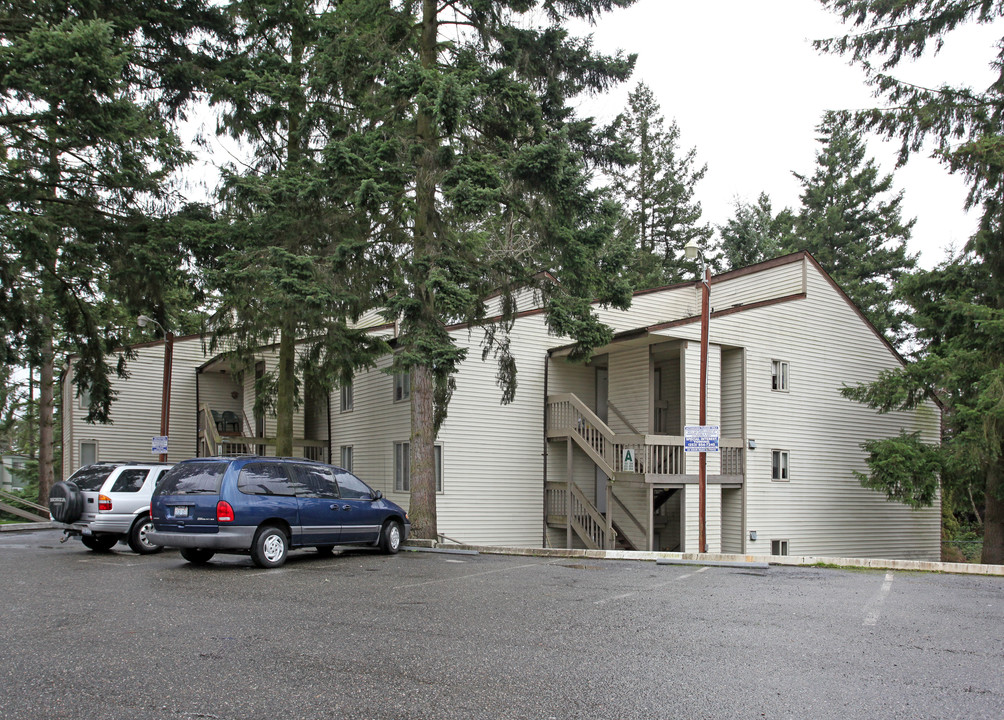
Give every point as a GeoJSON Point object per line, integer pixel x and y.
{"type": "Point", "coordinates": [442, 636]}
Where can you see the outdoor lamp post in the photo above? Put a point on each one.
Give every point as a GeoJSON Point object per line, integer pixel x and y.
{"type": "Point", "coordinates": [694, 253]}
{"type": "Point", "coordinates": [165, 398]}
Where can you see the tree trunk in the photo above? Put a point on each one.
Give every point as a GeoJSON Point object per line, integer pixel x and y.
{"type": "Point", "coordinates": [45, 406]}
{"type": "Point", "coordinates": [993, 517]}
{"type": "Point", "coordinates": [286, 391]}
{"type": "Point", "coordinates": [422, 509]}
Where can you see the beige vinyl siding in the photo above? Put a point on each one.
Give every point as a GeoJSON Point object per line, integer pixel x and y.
{"type": "Point", "coordinates": [630, 389]}
{"type": "Point", "coordinates": [493, 464]}
{"type": "Point", "coordinates": [732, 526]}
{"type": "Point", "coordinates": [732, 393]}
{"type": "Point", "coordinates": [822, 510]}
{"type": "Point", "coordinates": [672, 395]}
{"type": "Point", "coordinates": [713, 517]}
{"type": "Point", "coordinates": [755, 287]}
{"type": "Point", "coordinates": [373, 427]}
{"type": "Point", "coordinates": [216, 390]}
{"type": "Point", "coordinates": [135, 414]}
{"type": "Point", "coordinates": [691, 356]}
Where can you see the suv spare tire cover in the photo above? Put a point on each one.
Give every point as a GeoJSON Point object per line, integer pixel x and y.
{"type": "Point", "coordinates": [66, 503]}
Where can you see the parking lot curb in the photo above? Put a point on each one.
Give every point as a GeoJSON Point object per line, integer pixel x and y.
{"type": "Point", "coordinates": [21, 527]}
{"type": "Point", "coordinates": [734, 560]}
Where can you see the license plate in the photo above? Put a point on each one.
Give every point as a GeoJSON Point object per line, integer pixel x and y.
{"type": "Point", "coordinates": [181, 511]}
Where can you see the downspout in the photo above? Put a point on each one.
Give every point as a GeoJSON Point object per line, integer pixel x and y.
{"type": "Point", "coordinates": [198, 414]}
{"type": "Point", "coordinates": [547, 365]}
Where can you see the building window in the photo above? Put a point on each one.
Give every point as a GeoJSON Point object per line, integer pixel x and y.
{"type": "Point", "coordinates": [402, 467]}
{"type": "Point", "coordinates": [85, 398]}
{"type": "Point", "coordinates": [779, 375]}
{"type": "Point", "coordinates": [88, 453]}
{"type": "Point", "coordinates": [779, 465]}
{"type": "Point", "coordinates": [346, 401]}
{"type": "Point", "coordinates": [402, 386]}
{"type": "Point", "coordinates": [346, 457]}
{"type": "Point", "coordinates": [778, 547]}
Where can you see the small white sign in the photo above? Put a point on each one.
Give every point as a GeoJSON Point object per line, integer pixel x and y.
{"type": "Point", "coordinates": [700, 438]}
{"type": "Point", "coordinates": [627, 460]}
{"type": "Point", "coordinates": [159, 445]}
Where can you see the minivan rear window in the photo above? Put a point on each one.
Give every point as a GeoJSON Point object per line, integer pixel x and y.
{"type": "Point", "coordinates": [193, 479]}
{"type": "Point", "coordinates": [91, 478]}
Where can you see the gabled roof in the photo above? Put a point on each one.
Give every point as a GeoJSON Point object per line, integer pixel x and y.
{"type": "Point", "coordinates": [802, 256]}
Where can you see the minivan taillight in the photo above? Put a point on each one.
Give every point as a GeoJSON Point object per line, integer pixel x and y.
{"type": "Point", "coordinates": [224, 513]}
{"type": "Point", "coordinates": [104, 502]}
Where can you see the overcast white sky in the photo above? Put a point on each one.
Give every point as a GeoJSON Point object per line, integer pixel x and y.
{"type": "Point", "coordinates": [747, 89]}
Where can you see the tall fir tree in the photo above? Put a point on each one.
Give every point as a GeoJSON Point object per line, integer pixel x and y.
{"type": "Point", "coordinates": [89, 92]}
{"type": "Point", "coordinates": [656, 186]}
{"type": "Point", "coordinates": [754, 233]}
{"type": "Point", "coordinates": [851, 222]}
{"type": "Point", "coordinates": [962, 358]}
{"type": "Point", "coordinates": [297, 253]}
{"type": "Point", "coordinates": [496, 161]}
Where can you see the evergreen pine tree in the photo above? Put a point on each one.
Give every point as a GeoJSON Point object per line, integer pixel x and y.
{"type": "Point", "coordinates": [960, 304]}
{"type": "Point", "coordinates": [656, 188]}
{"type": "Point", "coordinates": [853, 226]}
{"type": "Point", "coordinates": [754, 233]}
{"type": "Point", "coordinates": [296, 254]}
{"type": "Point", "coordinates": [89, 92]}
{"type": "Point", "coordinates": [496, 162]}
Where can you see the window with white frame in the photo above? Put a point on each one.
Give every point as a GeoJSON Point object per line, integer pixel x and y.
{"type": "Point", "coordinates": [402, 386]}
{"type": "Point", "coordinates": [779, 465]}
{"type": "Point", "coordinates": [85, 398]}
{"type": "Point", "coordinates": [88, 452]}
{"type": "Point", "coordinates": [402, 467]}
{"type": "Point", "coordinates": [345, 456]}
{"type": "Point", "coordinates": [346, 403]}
{"type": "Point", "coordinates": [779, 375]}
{"type": "Point", "coordinates": [778, 547]}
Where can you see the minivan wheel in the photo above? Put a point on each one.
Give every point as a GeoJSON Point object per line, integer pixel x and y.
{"type": "Point", "coordinates": [139, 540]}
{"type": "Point", "coordinates": [197, 556]}
{"type": "Point", "coordinates": [99, 543]}
{"type": "Point", "coordinates": [390, 537]}
{"type": "Point", "coordinates": [270, 548]}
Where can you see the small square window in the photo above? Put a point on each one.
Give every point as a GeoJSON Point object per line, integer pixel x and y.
{"type": "Point", "coordinates": [778, 547]}
{"type": "Point", "coordinates": [779, 465]}
{"type": "Point", "coordinates": [402, 386]}
{"type": "Point", "coordinates": [85, 398]}
{"type": "Point", "coordinates": [346, 457]}
{"type": "Point", "coordinates": [346, 403]}
{"type": "Point", "coordinates": [779, 375]}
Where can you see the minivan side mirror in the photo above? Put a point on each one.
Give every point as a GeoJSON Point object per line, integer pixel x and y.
{"type": "Point", "coordinates": [378, 495]}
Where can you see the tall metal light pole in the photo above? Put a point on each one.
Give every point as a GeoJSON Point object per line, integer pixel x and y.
{"type": "Point", "coordinates": [165, 398]}
{"type": "Point", "coordinates": [694, 253]}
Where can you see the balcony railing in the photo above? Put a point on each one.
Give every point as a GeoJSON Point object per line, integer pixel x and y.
{"type": "Point", "coordinates": [655, 455]}
{"type": "Point", "coordinates": [214, 444]}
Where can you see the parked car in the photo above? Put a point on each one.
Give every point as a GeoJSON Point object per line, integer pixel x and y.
{"type": "Point", "coordinates": [266, 506]}
{"type": "Point", "coordinates": [108, 502]}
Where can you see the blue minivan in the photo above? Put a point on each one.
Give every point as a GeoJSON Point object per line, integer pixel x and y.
{"type": "Point", "coordinates": [265, 506]}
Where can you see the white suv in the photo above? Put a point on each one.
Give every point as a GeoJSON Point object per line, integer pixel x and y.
{"type": "Point", "coordinates": [108, 502]}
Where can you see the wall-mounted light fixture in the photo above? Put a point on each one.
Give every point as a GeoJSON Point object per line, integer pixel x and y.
{"type": "Point", "coordinates": [751, 444]}
{"type": "Point", "coordinates": [752, 535]}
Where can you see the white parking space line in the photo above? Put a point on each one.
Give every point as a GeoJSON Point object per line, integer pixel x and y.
{"type": "Point", "coordinates": [604, 601]}
{"type": "Point", "coordinates": [874, 608]}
